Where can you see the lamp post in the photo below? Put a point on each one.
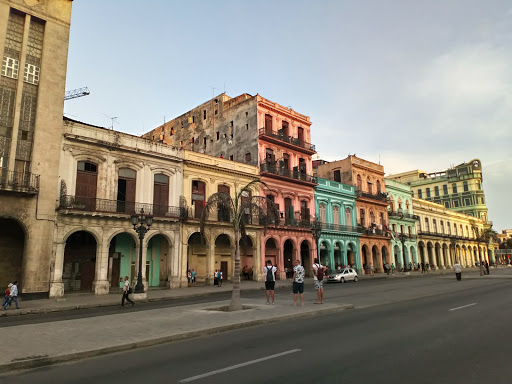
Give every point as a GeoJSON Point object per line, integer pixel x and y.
{"type": "Point", "coordinates": [141, 223]}
{"type": "Point", "coordinates": [402, 238]}
{"type": "Point", "coordinates": [316, 229]}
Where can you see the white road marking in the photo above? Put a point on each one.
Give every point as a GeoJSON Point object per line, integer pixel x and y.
{"type": "Point", "coordinates": [193, 378]}
{"type": "Point", "coordinates": [464, 306]}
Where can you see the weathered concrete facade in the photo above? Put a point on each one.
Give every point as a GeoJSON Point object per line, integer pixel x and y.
{"type": "Point", "coordinates": [105, 177]}
{"type": "Point", "coordinates": [34, 43]}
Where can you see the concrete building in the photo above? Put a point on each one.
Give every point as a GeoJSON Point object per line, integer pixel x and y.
{"type": "Point", "coordinates": [371, 203]}
{"type": "Point", "coordinates": [105, 177]}
{"type": "Point", "coordinates": [402, 222]}
{"type": "Point", "coordinates": [256, 131]}
{"type": "Point", "coordinates": [335, 204]}
{"type": "Point", "coordinates": [205, 175]}
{"type": "Point", "coordinates": [34, 41]}
{"type": "Point", "coordinates": [445, 236]}
{"type": "Point", "coordinates": [458, 188]}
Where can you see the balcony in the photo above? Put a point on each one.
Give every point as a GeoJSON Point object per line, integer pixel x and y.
{"type": "Point", "coordinates": [286, 173]}
{"type": "Point", "coordinates": [289, 141]}
{"type": "Point", "coordinates": [374, 231]}
{"type": "Point", "coordinates": [445, 235]}
{"type": "Point", "coordinates": [20, 182]}
{"type": "Point", "coordinates": [341, 228]}
{"type": "Point", "coordinates": [380, 196]}
{"type": "Point", "coordinates": [402, 215]}
{"type": "Point", "coordinates": [90, 204]}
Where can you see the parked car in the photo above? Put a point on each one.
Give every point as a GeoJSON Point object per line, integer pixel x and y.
{"type": "Point", "coordinates": [347, 274]}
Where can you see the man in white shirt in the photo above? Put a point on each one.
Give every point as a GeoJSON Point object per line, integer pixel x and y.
{"type": "Point", "coordinates": [270, 280]}
{"type": "Point", "coordinates": [458, 270]}
{"type": "Point", "coordinates": [319, 282]}
{"type": "Point", "coordinates": [13, 296]}
{"type": "Point", "coordinates": [126, 291]}
{"type": "Point", "coordinates": [298, 283]}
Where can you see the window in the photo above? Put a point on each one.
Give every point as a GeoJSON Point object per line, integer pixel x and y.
{"type": "Point", "coordinates": [248, 156]}
{"type": "Point", "coordinates": [447, 204]}
{"type": "Point", "coordinates": [369, 183]}
{"type": "Point", "coordinates": [427, 227]}
{"type": "Point", "coordinates": [300, 134]}
{"type": "Point", "coordinates": [467, 202]}
{"type": "Point", "coordinates": [409, 230]}
{"type": "Point", "coordinates": [284, 130]}
{"type": "Point", "coordinates": [479, 185]}
{"type": "Point", "coordinates": [172, 131]}
{"type": "Point", "coordinates": [348, 216]}
{"type": "Point", "coordinates": [436, 191]}
{"type": "Point", "coordinates": [442, 226]}
{"type": "Point", "coordinates": [231, 129]}
{"type": "Point", "coordinates": [391, 204]}
{"type": "Point", "coordinates": [454, 188]}
{"type": "Point", "coordinates": [420, 194]}
{"type": "Point", "coordinates": [31, 74]}
{"type": "Point", "coordinates": [448, 227]}
{"type": "Point", "coordinates": [322, 213]}
{"type": "Point", "coordinates": [246, 127]}
{"type": "Point", "coordinates": [337, 175]}
{"type": "Point", "coordinates": [246, 114]}
{"type": "Point", "coordinates": [456, 203]}
{"type": "Point", "coordinates": [204, 114]}
{"type": "Point", "coordinates": [466, 186]}
{"type": "Point", "coordinates": [10, 67]}
{"type": "Point", "coordinates": [434, 224]}
{"type": "Point", "coordinates": [381, 215]}
{"type": "Point", "coordinates": [428, 193]}
{"type": "Point", "coordinates": [482, 200]}
{"type": "Point", "coordinates": [399, 204]}
{"type": "Point", "coordinates": [24, 135]}
{"type": "Point", "coordinates": [87, 167]}
{"type": "Point", "coordinates": [359, 183]}
{"type": "Point", "coordinates": [218, 136]}
{"type": "Point", "coordinates": [407, 205]}
{"type": "Point", "coordinates": [455, 229]}
{"type": "Point", "coordinates": [268, 123]}
{"type": "Point", "coordinates": [336, 215]}
{"type": "Point", "coordinates": [378, 186]}
{"type": "Point", "coordinates": [231, 157]}
{"type": "Point", "coordinates": [445, 189]}
{"type": "Point", "coordinates": [401, 229]}
{"type": "Point", "coordinates": [372, 217]}
{"type": "Point", "coordinates": [361, 217]}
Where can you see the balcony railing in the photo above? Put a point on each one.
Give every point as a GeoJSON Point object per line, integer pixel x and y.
{"type": "Point", "coordinates": [24, 182]}
{"type": "Point", "coordinates": [287, 139]}
{"type": "Point", "coordinates": [381, 196]}
{"type": "Point", "coordinates": [445, 235]}
{"type": "Point", "coordinates": [294, 175]}
{"type": "Point", "coordinates": [91, 204]}
{"type": "Point", "coordinates": [374, 231]}
{"type": "Point", "coordinates": [402, 215]}
{"type": "Point", "coordinates": [341, 228]}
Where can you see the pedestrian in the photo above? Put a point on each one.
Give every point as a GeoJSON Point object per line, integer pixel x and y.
{"type": "Point", "coordinates": [245, 272]}
{"type": "Point", "coordinates": [194, 277]}
{"type": "Point", "coordinates": [7, 295]}
{"type": "Point", "coordinates": [215, 278]}
{"type": "Point", "coordinates": [318, 280]}
{"type": "Point", "coordinates": [371, 269]}
{"type": "Point", "coordinates": [458, 270]}
{"type": "Point", "coordinates": [487, 267]}
{"type": "Point", "coordinates": [219, 278]}
{"type": "Point", "coordinates": [127, 290]}
{"type": "Point", "coordinates": [13, 296]}
{"type": "Point", "coordinates": [298, 283]}
{"type": "Point", "coordinates": [410, 266]}
{"type": "Point", "coordinates": [393, 268]}
{"type": "Point", "coordinates": [189, 277]}
{"type": "Point", "coordinates": [270, 281]}
{"type": "Point", "coordinates": [422, 267]}
{"type": "Point", "coordinates": [427, 267]}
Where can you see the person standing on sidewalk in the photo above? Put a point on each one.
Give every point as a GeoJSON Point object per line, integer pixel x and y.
{"type": "Point", "coordinates": [13, 296]}
{"type": "Point", "coordinates": [126, 291]}
{"type": "Point", "coordinates": [298, 283]}
{"type": "Point", "coordinates": [270, 280]}
{"type": "Point", "coordinates": [318, 280]}
{"type": "Point", "coordinates": [219, 278]}
{"type": "Point", "coordinates": [7, 295]}
{"type": "Point", "coordinates": [458, 270]}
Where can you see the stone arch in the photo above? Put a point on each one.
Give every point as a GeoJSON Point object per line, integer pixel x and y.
{"type": "Point", "coordinates": [129, 231]}
{"type": "Point", "coordinates": [13, 240]}
{"type": "Point", "coordinates": [79, 265]}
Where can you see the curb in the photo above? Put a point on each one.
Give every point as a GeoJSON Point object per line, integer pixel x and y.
{"type": "Point", "coordinates": [45, 361]}
{"type": "Point", "coordinates": [23, 312]}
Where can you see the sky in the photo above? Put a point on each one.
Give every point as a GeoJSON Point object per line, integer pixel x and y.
{"type": "Point", "coordinates": [410, 84]}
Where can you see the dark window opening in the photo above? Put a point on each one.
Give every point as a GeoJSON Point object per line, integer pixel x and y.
{"type": "Point", "coordinates": [248, 156]}
{"type": "Point", "coordinates": [337, 175]}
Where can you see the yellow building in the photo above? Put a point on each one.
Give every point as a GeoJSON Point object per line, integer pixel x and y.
{"type": "Point", "coordinates": [445, 236]}
{"type": "Point", "coordinates": [204, 175]}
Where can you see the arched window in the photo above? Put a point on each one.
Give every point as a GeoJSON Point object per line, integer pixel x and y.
{"type": "Point", "coordinates": [348, 217]}
{"type": "Point", "coordinates": [336, 215]}
{"type": "Point", "coordinates": [359, 183]}
{"type": "Point", "coordinates": [369, 183]}
{"type": "Point", "coordinates": [160, 194]}
{"type": "Point", "coordinates": [372, 217]}
{"type": "Point", "coordinates": [391, 204]}
{"type": "Point", "coordinates": [322, 213]}
{"type": "Point", "coordinates": [399, 204]}
{"type": "Point", "coordinates": [407, 205]}
{"type": "Point", "coordinates": [362, 217]}
{"type": "Point", "coordinates": [378, 186]}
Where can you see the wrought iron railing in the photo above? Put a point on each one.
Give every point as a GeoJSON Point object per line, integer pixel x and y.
{"type": "Point", "coordinates": [287, 139]}
{"type": "Point", "coordinates": [19, 181]}
{"type": "Point", "coordinates": [91, 204]}
{"type": "Point", "coordinates": [376, 231]}
{"type": "Point", "coordinates": [445, 235]}
{"type": "Point", "coordinates": [403, 215]}
{"type": "Point", "coordinates": [291, 174]}
{"type": "Point", "coordinates": [341, 228]}
{"type": "Point", "coordinates": [381, 196]}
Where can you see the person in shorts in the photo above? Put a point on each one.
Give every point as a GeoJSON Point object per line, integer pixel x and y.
{"type": "Point", "coordinates": [298, 282]}
{"type": "Point", "coordinates": [319, 283]}
{"type": "Point", "coordinates": [270, 280]}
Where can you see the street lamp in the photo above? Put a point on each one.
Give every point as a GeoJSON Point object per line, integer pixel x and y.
{"type": "Point", "coordinates": [316, 229]}
{"type": "Point", "coordinates": [402, 238]}
{"type": "Point", "coordinates": [141, 224]}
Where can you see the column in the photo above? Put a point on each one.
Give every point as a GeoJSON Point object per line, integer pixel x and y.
{"type": "Point", "coordinates": [344, 255]}
{"type": "Point", "coordinates": [101, 285]}
{"type": "Point", "coordinates": [56, 284]}
{"type": "Point", "coordinates": [257, 257]}
{"type": "Point", "coordinates": [174, 261]}
{"type": "Point", "coordinates": [441, 258]}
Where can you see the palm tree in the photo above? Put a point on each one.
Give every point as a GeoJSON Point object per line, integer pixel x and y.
{"type": "Point", "coordinates": [484, 236]}
{"type": "Point", "coordinates": [240, 211]}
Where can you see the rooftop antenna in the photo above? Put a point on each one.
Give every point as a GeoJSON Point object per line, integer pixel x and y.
{"type": "Point", "coordinates": [213, 91]}
{"type": "Point", "coordinates": [113, 119]}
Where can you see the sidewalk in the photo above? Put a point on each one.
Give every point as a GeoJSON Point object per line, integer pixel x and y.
{"type": "Point", "coordinates": [34, 345]}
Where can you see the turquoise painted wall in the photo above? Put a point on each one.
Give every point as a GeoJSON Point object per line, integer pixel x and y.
{"type": "Point", "coordinates": [126, 247]}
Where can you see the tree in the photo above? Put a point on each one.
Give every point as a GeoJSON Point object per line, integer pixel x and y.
{"type": "Point", "coordinates": [484, 236]}
{"type": "Point", "coordinates": [240, 211]}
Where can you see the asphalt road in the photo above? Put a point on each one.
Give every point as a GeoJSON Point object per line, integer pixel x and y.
{"type": "Point", "coordinates": [459, 336]}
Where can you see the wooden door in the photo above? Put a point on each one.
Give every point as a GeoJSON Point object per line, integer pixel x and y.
{"type": "Point", "coordinates": [86, 185]}
{"type": "Point", "coordinates": [116, 272]}
{"type": "Point", "coordinates": [224, 269]}
{"type": "Point", "coordinates": [160, 199]}
{"type": "Point", "coordinates": [268, 123]}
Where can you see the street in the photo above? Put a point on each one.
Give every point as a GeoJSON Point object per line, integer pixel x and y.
{"type": "Point", "coordinates": [456, 334]}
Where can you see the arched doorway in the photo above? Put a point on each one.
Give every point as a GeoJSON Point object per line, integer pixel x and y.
{"type": "Point", "coordinates": [288, 257]}
{"type": "Point", "coordinates": [421, 246]}
{"type": "Point", "coordinates": [305, 257]}
{"type": "Point", "coordinates": [351, 257]}
{"type": "Point", "coordinates": [247, 254]}
{"type": "Point", "coordinates": [324, 253]}
{"type": "Point", "coordinates": [412, 251]}
{"type": "Point", "coordinates": [196, 258]}
{"type": "Point", "coordinates": [122, 259]}
{"type": "Point", "coordinates": [157, 257]}
{"type": "Point", "coordinates": [375, 258]}
{"type": "Point", "coordinates": [430, 254]}
{"type": "Point", "coordinates": [365, 257]}
{"type": "Point", "coordinates": [384, 255]}
{"type": "Point", "coordinates": [439, 261]}
{"type": "Point", "coordinates": [12, 249]}
{"type": "Point", "coordinates": [398, 257]}
{"type": "Point", "coordinates": [271, 251]}
{"type": "Point", "coordinates": [223, 256]}
{"type": "Point", "coordinates": [338, 254]}
{"type": "Point", "coordinates": [79, 262]}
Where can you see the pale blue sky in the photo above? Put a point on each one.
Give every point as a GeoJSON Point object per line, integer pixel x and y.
{"type": "Point", "coordinates": [418, 84]}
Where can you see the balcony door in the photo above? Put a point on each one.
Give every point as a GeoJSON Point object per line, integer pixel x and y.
{"type": "Point", "coordinates": [223, 212]}
{"type": "Point", "coordinates": [288, 211]}
{"type": "Point", "coordinates": [268, 123]}
{"type": "Point", "coordinates": [160, 194]}
{"type": "Point", "coordinates": [86, 185]}
{"type": "Point", "coordinates": [198, 197]}
{"type": "Point", "coordinates": [126, 184]}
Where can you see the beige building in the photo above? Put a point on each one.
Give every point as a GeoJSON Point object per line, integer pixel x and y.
{"type": "Point", "coordinates": [105, 177]}
{"type": "Point", "coordinates": [205, 175]}
{"type": "Point", "coordinates": [445, 236]}
{"type": "Point", "coordinates": [34, 41]}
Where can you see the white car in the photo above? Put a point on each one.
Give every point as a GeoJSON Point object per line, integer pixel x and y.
{"type": "Point", "coordinates": [345, 275]}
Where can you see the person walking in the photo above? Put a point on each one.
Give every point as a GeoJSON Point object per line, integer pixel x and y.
{"type": "Point", "coordinates": [194, 277]}
{"type": "Point", "coordinates": [458, 270]}
{"type": "Point", "coordinates": [219, 278]}
{"type": "Point", "coordinates": [393, 268]}
{"type": "Point", "coordinates": [298, 283]}
{"type": "Point", "coordinates": [318, 280]}
{"type": "Point", "coordinates": [270, 280]}
{"type": "Point", "coordinates": [126, 292]}
{"type": "Point", "coordinates": [487, 267]}
{"type": "Point", "coordinates": [7, 295]}
{"type": "Point", "coordinates": [13, 296]}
